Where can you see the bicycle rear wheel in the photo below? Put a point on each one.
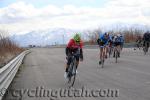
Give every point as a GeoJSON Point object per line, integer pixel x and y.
{"type": "Point", "coordinates": [73, 80]}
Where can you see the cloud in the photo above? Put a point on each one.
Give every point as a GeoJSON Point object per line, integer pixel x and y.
{"type": "Point", "coordinates": [21, 17]}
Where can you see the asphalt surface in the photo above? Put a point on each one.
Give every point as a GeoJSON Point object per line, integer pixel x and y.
{"type": "Point", "coordinates": [129, 79]}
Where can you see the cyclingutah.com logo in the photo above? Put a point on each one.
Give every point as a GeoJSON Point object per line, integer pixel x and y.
{"type": "Point", "coordinates": [40, 92]}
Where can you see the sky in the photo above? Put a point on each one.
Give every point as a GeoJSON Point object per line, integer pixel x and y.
{"type": "Point", "coordinates": [20, 16]}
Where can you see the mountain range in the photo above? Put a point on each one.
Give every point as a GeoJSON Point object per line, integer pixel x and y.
{"type": "Point", "coordinates": [44, 37]}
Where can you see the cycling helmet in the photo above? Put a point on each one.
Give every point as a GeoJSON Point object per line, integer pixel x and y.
{"type": "Point", "coordinates": [77, 38]}
{"type": "Point", "coordinates": [105, 33]}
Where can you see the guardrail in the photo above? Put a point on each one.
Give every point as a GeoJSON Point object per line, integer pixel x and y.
{"type": "Point", "coordinates": [126, 45]}
{"type": "Point", "coordinates": [8, 72]}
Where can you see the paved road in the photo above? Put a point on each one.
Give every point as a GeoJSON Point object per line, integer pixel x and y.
{"type": "Point", "coordinates": [44, 68]}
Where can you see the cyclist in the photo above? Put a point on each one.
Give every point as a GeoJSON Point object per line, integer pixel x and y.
{"type": "Point", "coordinates": [111, 40]}
{"type": "Point", "coordinates": [117, 43]}
{"type": "Point", "coordinates": [74, 46]}
{"type": "Point", "coordinates": [138, 42]}
{"type": "Point", "coordinates": [110, 43]}
{"type": "Point", "coordinates": [122, 41]}
{"type": "Point", "coordinates": [146, 39]}
{"type": "Point", "coordinates": [103, 42]}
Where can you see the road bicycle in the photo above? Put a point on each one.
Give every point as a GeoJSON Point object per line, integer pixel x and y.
{"type": "Point", "coordinates": [71, 74]}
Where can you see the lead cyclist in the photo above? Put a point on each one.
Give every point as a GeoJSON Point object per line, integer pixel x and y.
{"type": "Point", "coordinates": [75, 45]}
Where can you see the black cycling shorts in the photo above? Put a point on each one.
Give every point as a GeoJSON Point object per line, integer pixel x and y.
{"type": "Point", "coordinates": [117, 43]}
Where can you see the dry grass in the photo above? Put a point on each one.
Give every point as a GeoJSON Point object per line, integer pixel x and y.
{"type": "Point", "coordinates": [8, 48]}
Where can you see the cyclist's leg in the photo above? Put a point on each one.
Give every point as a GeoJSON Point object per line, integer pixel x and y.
{"type": "Point", "coordinates": [68, 63]}
{"type": "Point", "coordinates": [115, 47]}
{"type": "Point", "coordinates": [147, 45]}
{"type": "Point", "coordinates": [118, 49]}
{"type": "Point", "coordinates": [121, 46]}
{"type": "Point", "coordinates": [144, 43]}
{"type": "Point", "coordinates": [144, 47]}
{"type": "Point", "coordinates": [101, 51]}
{"type": "Point", "coordinates": [110, 48]}
{"type": "Point", "coordinates": [105, 49]}
{"type": "Point", "coordinates": [67, 66]}
{"type": "Point", "coordinates": [77, 61]}
{"type": "Point", "coordinates": [139, 45]}
{"type": "Point", "coordinates": [101, 54]}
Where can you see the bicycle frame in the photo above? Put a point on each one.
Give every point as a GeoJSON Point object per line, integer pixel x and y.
{"type": "Point", "coordinates": [72, 70]}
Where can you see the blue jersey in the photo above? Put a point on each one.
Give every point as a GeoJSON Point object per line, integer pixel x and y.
{"type": "Point", "coordinates": [104, 40]}
{"type": "Point", "coordinates": [119, 39]}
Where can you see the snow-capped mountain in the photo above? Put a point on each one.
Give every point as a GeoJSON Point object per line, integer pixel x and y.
{"type": "Point", "coordinates": [44, 37]}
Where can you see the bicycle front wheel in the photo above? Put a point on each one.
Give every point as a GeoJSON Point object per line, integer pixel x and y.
{"type": "Point", "coordinates": [72, 74]}
{"type": "Point", "coordinates": [116, 55]}
{"type": "Point", "coordinates": [72, 79]}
